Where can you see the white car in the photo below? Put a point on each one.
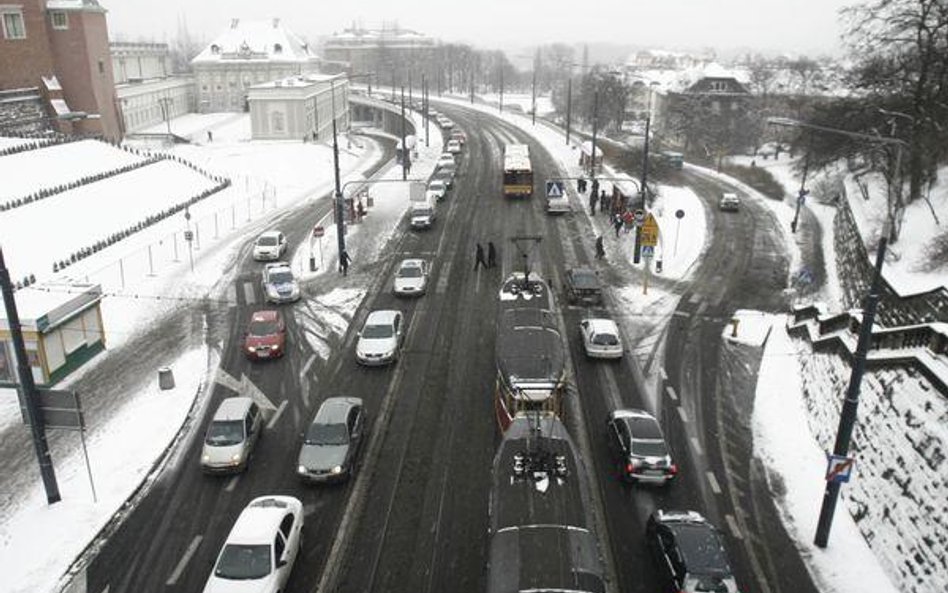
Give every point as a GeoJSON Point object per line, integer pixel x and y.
{"type": "Point", "coordinates": [279, 284]}
{"type": "Point", "coordinates": [262, 546]}
{"type": "Point", "coordinates": [269, 246]}
{"type": "Point", "coordinates": [380, 338]}
{"type": "Point", "coordinates": [601, 338]}
{"type": "Point", "coordinates": [729, 202]}
{"type": "Point", "coordinates": [437, 188]}
{"type": "Point", "coordinates": [446, 158]}
{"type": "Point", "coordinates": [454, 147]}
{"type": "Point", "coordinates": [411, 279]}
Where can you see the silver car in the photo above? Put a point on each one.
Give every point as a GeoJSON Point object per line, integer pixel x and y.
{"type": "Point", "coordinates": [380, 338]}
{"type": "Point", "coordinates": [411, 279]}
{"type": "Point", "coordinates": [279, 284]}
{"type": "Point", "coordinates": [332, 442]}
{"type": "Point", "coordinates": [231, 436]}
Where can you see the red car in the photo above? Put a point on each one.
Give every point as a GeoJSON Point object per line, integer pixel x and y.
{"type": "Point", "coordinates": [266, 336]}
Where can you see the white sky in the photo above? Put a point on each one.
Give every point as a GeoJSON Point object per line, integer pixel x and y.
{"type": "Point", "coordinates": [806, 26]}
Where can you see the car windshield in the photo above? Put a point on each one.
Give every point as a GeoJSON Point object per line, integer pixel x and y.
{"type": "Point", "coordinates": [326, 434]}
{"type": "Point", "coordinates": [264, 328]}
{"type": "Point", "coordinates": [436, 184]}
{"type": "Point", "coordinates": [378, 331]}
{"type": "Point", "coordinates": [267, 241]}
{"type": "Point", "coordinates": [409, 272]}
{"type": "Point", "coordinates": [584, 279]}
{"type": "Point", "coordinates": [281, 277]}
{"type": "Point", "coordinates": [702, 550]}
{"type": "Point", "coordinates": [605, 340]}
{"type": "Point", "coordinates": [649, 448]}
{"type": "Point", "coordinates": [223, 433]}
{"type": "Point", "coordinates": [243, 562]}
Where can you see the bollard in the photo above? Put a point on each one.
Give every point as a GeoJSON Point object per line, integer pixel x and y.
{"type": "Point", "coordinates": [165, 379]}
{"type": "Point", "coordinates": [734, 323]}
{"type": "Point", "coordinates": [312, 263]}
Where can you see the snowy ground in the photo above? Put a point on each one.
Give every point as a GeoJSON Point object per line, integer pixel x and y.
{"type": "Point", "coordinates": [73, 522]}
{"type": "Point", "coordinates": [523, 100]}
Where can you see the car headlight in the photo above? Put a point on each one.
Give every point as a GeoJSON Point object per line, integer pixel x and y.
{"type": "Point", "coordinates": [206, 458]}
{"type": "Point", "coordinates": [235, 458]}
{"type": "Point", "coordinates": [337, 469]}
{"type": "Point", "coordinates": [301, 469]}
{"type": "Point", "coordinates": [271, 291]}
{"type": "Point", "coordinates": [275, 347]}
{"type": "Point", "coordinates": [250, 349]}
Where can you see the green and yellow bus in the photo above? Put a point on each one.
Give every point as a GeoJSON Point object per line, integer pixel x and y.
{"type": "Point", "coordinates": [518, 173]}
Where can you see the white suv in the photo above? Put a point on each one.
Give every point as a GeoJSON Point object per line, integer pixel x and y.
{"type": "Point", "coordinates": [269, 246]}
{"type": "Point", "coordinates": [262, 546]}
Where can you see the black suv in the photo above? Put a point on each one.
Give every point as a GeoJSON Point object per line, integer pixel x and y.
{"type": "Point", "coordinates": [689, 552]}
{"type": "Point", "coordinates": [582, 287]}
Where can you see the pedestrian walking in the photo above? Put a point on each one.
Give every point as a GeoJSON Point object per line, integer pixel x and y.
{"type": "Point", "coordinates": [581, 185]}
{"type": "Point", "coordinates": [344, 261]}
{"type": "Point", "coordinates": [600, 250]}
{"type": "Point", "coordinates": [617, 223]}
{"type": "Point", "coordinates": [479, 257]}
{"type": "Point", "coordinates": [592, 202]}
{"type": "Point", "coordinates": [594, 187]}
{"type": "Point", "coordinates": [210, 136]}
{"type": "Point", "coordinates": [491, 255]}
{"type": "Point", "coordinates": [602, 201]}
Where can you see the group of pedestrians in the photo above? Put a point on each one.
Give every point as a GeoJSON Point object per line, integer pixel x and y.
{"type": "Point", "coordinates": [491, 261]}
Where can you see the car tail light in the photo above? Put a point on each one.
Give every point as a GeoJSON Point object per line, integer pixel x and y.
{"type": "Point", "coordinates": [631, 467]}
{"type": "Point", "coordinates": [673, 469]}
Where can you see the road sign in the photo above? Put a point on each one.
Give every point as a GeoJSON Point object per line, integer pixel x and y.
{"type": "Point", "coordinates": [60, 409]}
{"type": "Point", "coordinates": [839, 468]}
{"type": "Point", "coordinates": [318, 231]}
{"type": "Point", "coordinates": [188, 235]}
{"type": "Point", "coordinates": [648, 251]}
{"type": "Point", "coordinates": [679, 214]}
{"type": "Point", "coordinates": [555, 189]}
{"type": "Point", "coordinates": [649, 235]}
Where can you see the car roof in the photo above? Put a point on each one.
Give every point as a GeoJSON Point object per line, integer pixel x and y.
{"type": "Point", "coordinates": [335, 410]}
{"type": "Point", "coordinates": [382, 317]}
{"type": "Point", "coordinates": [276, 265]}
{"type": "Point", "coordinates": [729, 196]}
{"type": "Point", "coordinates": [603, 326]}
{"type": "Point", "coordinates": [269, 234]}
{"type": "Point", "coordinates": [643, 425]}
{"type": "Point", "coordinates": [260, 520]}
{"type": "Point", "coordinates": [266, 315]}
{"type": "Point", "coordinates": [232, 408]}
{"type": "Point", "coordinates": [412, 263]}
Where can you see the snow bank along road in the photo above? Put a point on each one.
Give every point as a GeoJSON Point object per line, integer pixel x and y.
{"type": "Point", "coordinates": [417, 512]}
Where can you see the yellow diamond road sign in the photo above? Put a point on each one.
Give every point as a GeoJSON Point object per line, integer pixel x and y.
{"type": "Point", "coordinates": [649, 235]}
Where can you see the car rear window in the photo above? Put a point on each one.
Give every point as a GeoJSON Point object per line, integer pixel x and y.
{"type": "Point", "coordinates": [605, 340]}
{"type": "Point", "coordinates": [649, 448]}
{"type": "Point", "coordinates": [702, 550]}
{"type": "Point", "coordinates": [585, 280]}
{"type": "Point", "coordinates": [645, 428]}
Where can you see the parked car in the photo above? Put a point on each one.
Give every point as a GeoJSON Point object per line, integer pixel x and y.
{"type": "Point", "coordinates": [445, 174]}
{"type": "Point", "coordinates": [601, 338]}
{"type": "Point", "coordinates": [437, 189]}
{"type": "Point", "coordinates": [729, 202]}
{"type": "Point", "coordinates": [582, 286]}
{"type": "Point", "coordinates": [331, 443]}
{"type": "Point", "coordinates": [445, 123]}
{"type": "Point", "coordinates": [446, 158]}
{"type": "Point", "coordinates": [411, 279]}
{"type": "Point", "coordinates": [454, 147]}
{"type": "Point", "coordinates": [459, 136]}
{"type": "Point", "coordinates": [231, 436]}
{"type": "Point", "coordinates": [266, 335]}
{"type": "Point", "coordinates": [689, 552]}
{"type": "Point", "coordinates": [269, 246]}
{"type": "Point", "coordinates": [261, 548]}
{"type": "Point", "coordinates": [279, 284]}
{"type": "Point", "coordinates": [380, 338]}
{"type": "Point", "coordinates": [639, 447]}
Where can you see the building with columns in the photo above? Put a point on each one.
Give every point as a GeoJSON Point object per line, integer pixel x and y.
{"type": "Point", "coordinates": [247, 54]}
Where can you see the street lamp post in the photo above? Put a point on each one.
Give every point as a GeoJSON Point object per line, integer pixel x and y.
{"type": "Point", "coordinates": [595, 125]}
{"type": "Point", "coordinates": [339, 204]}
{"type": "Point", "coordinates": [648, 128]}
{"type": "Point", "coordinates": [569, 105]}
{"type": "Point", "coordinates": [405, 151]}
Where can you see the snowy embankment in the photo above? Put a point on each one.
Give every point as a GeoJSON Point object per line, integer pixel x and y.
{"type": "Point", "coordinates": [26, 172]}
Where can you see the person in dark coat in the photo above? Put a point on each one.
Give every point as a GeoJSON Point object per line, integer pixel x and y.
{"type": "Point", "coordinates": [617, 223]}
{"type": "Point", "coordinates": [491, 255]}
{"type": "Point", "coordinates": [344, 261]}
{"type": "Point", "coordinates": [602, 201]}
{"type": "Point", "coordinates": [600, 250]}
{"type": "Point", "coordinates": [592, 202]}
{"type": "Point", "coordinates": [479, 257]}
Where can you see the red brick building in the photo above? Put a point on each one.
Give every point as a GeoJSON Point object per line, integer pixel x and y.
{"type": "Point", "coordinates": [60, 50]}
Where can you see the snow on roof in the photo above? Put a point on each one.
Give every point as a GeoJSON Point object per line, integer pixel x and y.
{"type": "Point", "coordinates": [300, 80]}
{"type": "Point", "coordinates": [60, 106]}
{"type": "Point", "coordinates": [46, 306]}
{"type": "Point", "coordinates": [256, 40]}
{"type": "Point", "coordinates": [52, 83]}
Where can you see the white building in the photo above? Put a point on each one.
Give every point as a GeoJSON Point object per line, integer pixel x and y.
{"type": "Point", "coordinates": [378, 50]}
{"type": "Point", "coordinates": [247, 54]}
{"type": "Point", "coordinates": [135, 62]}
{"type": "Point", "coordinates": [299, 107]}
{"type": "Point", "coordinates": [145, 88]}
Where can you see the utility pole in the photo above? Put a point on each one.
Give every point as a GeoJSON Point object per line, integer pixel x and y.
{"type": "Point", "coordinates": [569, 105]}
{"type": "Point", "coordinates": [424, 103]}
{"type": "Point", "coordinates": [27, 388]}
{"type": "Point", "coordinates": [595, 122]}
{"type": "Point", "coordinates": [409, 88]}
{"type": "Point", "coordinates": [472, 86]}
{"type": "Point", "coordinates": [847, 419]}
{"type": "Point", "coordinates": [533, 111]}
{"type": "Point", "coordinates": [405, 151]}
{"type": "Point", "coordinates": [648, 127]}
{"type": "Point", "coordinates": [340, 203]}
{"type": "Point", "coordinates": [501, 104]}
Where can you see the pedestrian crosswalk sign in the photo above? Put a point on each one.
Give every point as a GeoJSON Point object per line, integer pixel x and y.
{"type": "Point", "coordinates": [555, 189]}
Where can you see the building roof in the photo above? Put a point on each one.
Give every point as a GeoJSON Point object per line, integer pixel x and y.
{"type": "Point", "coordinates": [300, 81]}
{"type": "Point", "coordinates": [87, 5]}
{"type": "Point", "coordinates": [256, 41]}
{"type": "Point", "coordinates": [46, 306]}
